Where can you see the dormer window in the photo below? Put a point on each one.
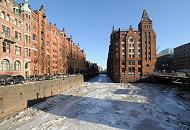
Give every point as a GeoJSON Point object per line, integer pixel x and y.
{"type": "Point", "coordinates": [16, 10]}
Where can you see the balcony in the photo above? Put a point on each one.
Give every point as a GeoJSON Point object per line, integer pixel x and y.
{"type": "Point", "coordinates": [7, 38]}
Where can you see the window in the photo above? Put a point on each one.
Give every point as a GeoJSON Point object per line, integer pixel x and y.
{"type": "Point", "coordinates": [17, 36]}
{"type": "Point", "coordinates": [139, 62]}
{"type": "Point", "coordinates": [26, 16]}
{"type": "Point", "coordinates": [26, 65]}
{"type": "Point", "coordinates": [8, 17]}
{"type": "Point", "coordinates": [34, 37]}
{"type": "Point", "coordinates": [139, 45]}
{"type": "Point", "coordinates": [145, 36]}
{"type": "Point", "coordinates": [17, 65]}
{"type": "Point", "coordinates": [131, 62]}
{"type": "Point", "coordinates": [5, 30]}
{"type": "Point", "coordinates": [123, 70]}
{"type": "Point", "coordinates": [26, 52]}
{"type": "Point", "coordinates": [131, 71]}
{"type": "Point", "coordinates": [16, 22]}
{"type": "Point", "coordinates": [3, 15]}
{"type": "Point", "coordinates": [6, 47]}
{"type": "Point", "coordinates": [131, 39]}
{"type": "Point", "coordinates": [5, 65]}
{"type": "Point", "coordinates": [18, 50]}
{"type": "Point", "coordinates": [27, 39]}
{"type": "Point", "coordinates": [139, 71]}
{"type": "Point", "coordinates": [34, 46]}
{"type": "Point", "coordinates": [19, 23]}
{"type": "Point", "coordinates": [26, 27]}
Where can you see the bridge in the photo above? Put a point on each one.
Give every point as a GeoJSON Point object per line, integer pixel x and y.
{"type": "Point", "coordinates": [171, 78]}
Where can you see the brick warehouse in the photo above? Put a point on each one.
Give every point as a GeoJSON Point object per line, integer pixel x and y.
{"type": "Point", "coordinates": [132, 53]}
{"type": "Point", "coordinates": [30, 45]}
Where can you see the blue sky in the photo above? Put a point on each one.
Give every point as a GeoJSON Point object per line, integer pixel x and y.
{"type": "Point", "coordinates": [90, 21]}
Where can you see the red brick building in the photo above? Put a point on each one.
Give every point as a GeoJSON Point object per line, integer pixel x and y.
{"type": "Point", "coordinates": [132, 53]}
{"type": "Point", "coordinates": [30, 45]}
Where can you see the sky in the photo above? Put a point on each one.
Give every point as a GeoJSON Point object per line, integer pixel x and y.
{"type": "Point", "coordinates": [90, 21]}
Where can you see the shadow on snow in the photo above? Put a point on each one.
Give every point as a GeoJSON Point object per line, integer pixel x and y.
{"type": "Point", "coordinates": [108, 112]}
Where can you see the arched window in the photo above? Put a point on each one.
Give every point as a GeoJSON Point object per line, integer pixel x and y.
{"type": "Point", "coordinates": [17, 65]}
{"type": "Point", "coordinates": [5, 64]}
{"type": "Point", "coordinates": [3, 15]}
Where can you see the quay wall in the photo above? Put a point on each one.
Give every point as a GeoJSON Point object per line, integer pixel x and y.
{"type": "Point", "coordinates": [15, 98]}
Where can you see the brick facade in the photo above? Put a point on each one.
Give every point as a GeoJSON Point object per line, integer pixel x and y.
{"type": "Point", "coordinates": [30, 45]}
{"type": "Point", "coordinates": [182, 58]}
{"type": "Point", "coordinates": [132, 53]}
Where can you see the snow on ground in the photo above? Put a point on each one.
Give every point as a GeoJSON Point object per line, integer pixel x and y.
{"type": "Point", "coordinates": [102, 105]}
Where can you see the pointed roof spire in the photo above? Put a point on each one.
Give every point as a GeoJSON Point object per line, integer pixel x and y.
{"type": "Point", "coordinates": [131, 28]}
{"type": "Point", "coordinates": [26, 1]}
{"type": "Point", "coordinates": [145, 15]}
{"type": "Point", "coordinates": [112, 28]}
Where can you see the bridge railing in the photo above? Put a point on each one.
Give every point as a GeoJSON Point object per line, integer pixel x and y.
{"type": "Point", "coordinates": [172, 74]}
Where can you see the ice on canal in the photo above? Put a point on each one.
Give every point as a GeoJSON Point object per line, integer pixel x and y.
{"type": "Point", "coordinates": [102, 105]}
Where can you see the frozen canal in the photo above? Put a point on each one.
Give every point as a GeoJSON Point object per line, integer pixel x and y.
{"type": "Point", "coordinates": [102, 105]}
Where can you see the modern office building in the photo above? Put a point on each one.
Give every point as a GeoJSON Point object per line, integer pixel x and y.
{"type": "Point", "coordinates": [165, 61]}
{"type": "Point", "coordinates": [166, 52]}
{"type": "Point", "coordinates": [132, 53]}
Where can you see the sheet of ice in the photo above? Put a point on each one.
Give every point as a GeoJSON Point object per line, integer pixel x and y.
{"type": "Point", "coordinates": [100, 104]}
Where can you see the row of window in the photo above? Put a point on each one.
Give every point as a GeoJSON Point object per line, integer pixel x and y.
{"type": "Point", "coordinates": [6, 32]}
{"type": "Point", "coordinates": [132, 62]}
{"type": "Point", "coordinates": [6, 49]}
{"type": "Point", "coordinates": [131, 70]}
{"type": "Point", "coordinates": [16, 11]}
{"type": "Point", "coordinates": [5, 65]}
{"type": "Point", "coordinates": [5, 16]}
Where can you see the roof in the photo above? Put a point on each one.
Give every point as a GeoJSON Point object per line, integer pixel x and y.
{"type": "Point", "coordinates": [145, 15]}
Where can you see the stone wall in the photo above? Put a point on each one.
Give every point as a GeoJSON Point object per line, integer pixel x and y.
{"type": "Point", "coordinates": [14, 98]}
